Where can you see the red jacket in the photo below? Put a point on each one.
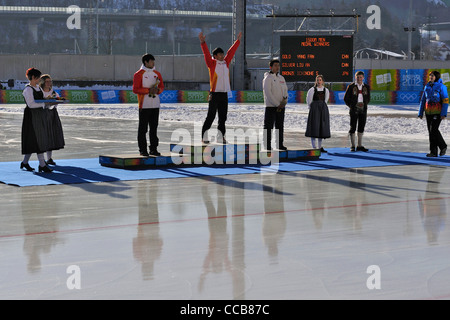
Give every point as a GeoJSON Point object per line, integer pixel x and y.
{"type": "Point", "coordinates": [143, 80]}
{"type": "Point", "coordinates": [211, 63]}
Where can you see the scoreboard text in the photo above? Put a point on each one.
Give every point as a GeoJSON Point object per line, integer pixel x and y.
{"type": "Point", "coordinates": [305, 57]}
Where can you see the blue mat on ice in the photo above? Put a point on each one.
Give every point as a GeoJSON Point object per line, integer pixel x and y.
{"type": "Point", "coordinates": [72, 171]}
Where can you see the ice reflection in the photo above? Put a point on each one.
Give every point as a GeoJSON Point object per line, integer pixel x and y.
{"type": "Point", "coordinates": [432, 207]}
{"type": "Point", "coordinates": [148, 243]}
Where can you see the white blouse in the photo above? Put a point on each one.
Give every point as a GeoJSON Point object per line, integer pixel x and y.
{"type": "Point", "coordinates": [29, 97]}
{"type": "Point", "coordinates": [310, 95]}
{"type": "Point", "coordinates": [48, 94]}
{"type": "Point", "coordinates": [360, 96]}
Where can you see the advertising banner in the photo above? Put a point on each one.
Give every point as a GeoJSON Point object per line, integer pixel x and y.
{"type": "Point", "coordinates": [383, 80]}
{"type": "Point", "coordinates": [382, 97]}
{"type": "Point", "coordinates": [292, 96]}
{"type": "Point", "coordinates": [338, 97]}
{"type": "Point", "coordinates": [412, 80]}
{"type": "Point", "coordinates": [250, 97]}
{"type": "Point", "coordinates": [233, 96]}
{"type": "Point", "coordinates": [108, 96]}
{"type": "Point", "coordinates": [338, 86]}
{"type": "Point", "coordinates": [127, 96]}
{"type": "Point", "coordinates": [408, 97]}
{"type": "Point", "coordinates": [410, 83]}
{"type": "Point", "coordinates": [11, 96]}
{"type": "Point", "coordinates": [168, 96]}
{"type": "Point", "coordinates": [193, 96]}
{"type": "Point", "coordinates": [445, 76]}
{"type": "Point", "coordinates": [301, 96]}
{"type": "Point", "coordinates": [79, 96]}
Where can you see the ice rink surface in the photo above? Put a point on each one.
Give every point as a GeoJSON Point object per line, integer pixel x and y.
{"type": "Point", "coordinates": [372, 233]}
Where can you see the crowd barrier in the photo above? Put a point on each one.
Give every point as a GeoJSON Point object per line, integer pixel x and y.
{"type": "Point", "coordinates": [388, 86]}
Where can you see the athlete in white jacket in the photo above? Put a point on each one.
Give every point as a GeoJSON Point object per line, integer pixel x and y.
{"type": "Point", "coordinates": [275, 98]}
{"type": "Point", "coordinates": [148, 85]}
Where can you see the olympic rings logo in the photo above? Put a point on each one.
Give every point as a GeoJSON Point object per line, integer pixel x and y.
{"type": "Point", "coordinates": [169, 96]}
{"type": "Point", "coordinates": [408, 96]}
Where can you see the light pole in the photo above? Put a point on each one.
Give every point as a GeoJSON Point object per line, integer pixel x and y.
{"type": "Point", "coordinates": [410, 30]}
{"type": "Point", "coordinates": [97, 28]}
{"type": "Point", "coordinates": [173, 44]}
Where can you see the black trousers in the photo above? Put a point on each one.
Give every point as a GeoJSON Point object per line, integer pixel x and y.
{"type": "Point", "coordinates": [218, 103]}
{"type": "Point", "coordinates": [435, 136]}
{"type": "Point", "coordinates": [148, 119]}
{"type": "Point", "coordinates": [273, 117]}
{"type": "Point", "coordinates": [357, 121]}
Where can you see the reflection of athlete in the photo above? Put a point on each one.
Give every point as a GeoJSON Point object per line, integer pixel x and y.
{"type": "Point", "coordinates": [219, 79]}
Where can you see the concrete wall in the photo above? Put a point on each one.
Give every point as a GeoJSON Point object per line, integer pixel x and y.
{"type": "Point", "coordinates": [101, 67]}
{"type": "Point", "coordinates": [178, 68]}
{"type": "Point", "coordinates": [400, 64]}
{"type": "Point", "coordinates": [15, 66]}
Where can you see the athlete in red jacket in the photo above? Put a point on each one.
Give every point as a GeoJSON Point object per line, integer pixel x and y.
{"type": "Point", "coordinates": [147, 85]}
{"type": "Point", "coordinates": [219, 78]}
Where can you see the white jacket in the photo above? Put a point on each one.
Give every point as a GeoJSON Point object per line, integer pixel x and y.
{"type": "Point", "coordinates": [275, 89]}
{"type": "Point", "coordinates": [144, 79]}
{"type": "Point", "coordinates": [223, 77]}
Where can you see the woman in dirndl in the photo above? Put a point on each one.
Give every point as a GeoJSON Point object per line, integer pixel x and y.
{"type": "Point", "coordinates": [55, 131]}
{"type": "Point", "coordinates": [318, 126]}
{"type": "Point", "coordinates": [35, 124]}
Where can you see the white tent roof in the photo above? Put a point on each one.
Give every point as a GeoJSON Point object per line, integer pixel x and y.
{"type": "Point", "coordinates": [386, 52]}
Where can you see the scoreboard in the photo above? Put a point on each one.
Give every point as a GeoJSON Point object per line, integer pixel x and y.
{"type": "Point", "coordinates": [305, 57]}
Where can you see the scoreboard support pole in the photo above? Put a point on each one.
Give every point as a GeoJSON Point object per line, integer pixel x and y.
{"type": "Point", "coordinates": [240, 63]}
{"type": "Point", "coordinates": [308, 15]}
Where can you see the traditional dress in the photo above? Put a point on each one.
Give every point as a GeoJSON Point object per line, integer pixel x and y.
{"type": "Point", "coordinates": [55, 130]}
{"type": "Point", "coordinates": [35, 124]}
{"type": "Point", "coordinates": [318, 125]}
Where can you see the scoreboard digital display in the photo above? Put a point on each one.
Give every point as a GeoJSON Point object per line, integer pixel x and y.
{"type": "Point", "coordinates": [305, 57]}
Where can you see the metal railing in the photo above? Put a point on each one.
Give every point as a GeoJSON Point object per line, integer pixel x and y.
{"type": "Point", "coordinates": [123, 12]}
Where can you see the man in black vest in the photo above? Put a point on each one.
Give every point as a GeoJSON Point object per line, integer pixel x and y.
{"type": "Point", "coordinates": [357, 97]}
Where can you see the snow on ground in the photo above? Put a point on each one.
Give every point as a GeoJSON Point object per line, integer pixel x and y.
{"type": "Point", "coordinates": [384, 119]}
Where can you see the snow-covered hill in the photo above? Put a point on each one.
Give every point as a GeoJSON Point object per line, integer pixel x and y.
{"type": "Point", "coordinates": [438, 2]}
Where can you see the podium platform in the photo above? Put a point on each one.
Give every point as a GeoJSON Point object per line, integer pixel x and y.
{"type": "Point", "coordinates": [208, 155]}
